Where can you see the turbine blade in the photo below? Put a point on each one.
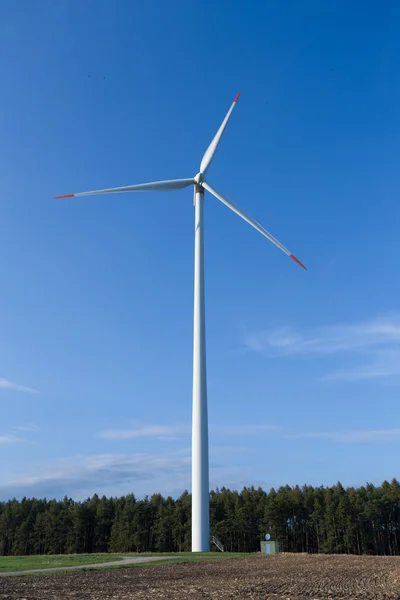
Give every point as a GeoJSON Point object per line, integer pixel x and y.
{"type": "Point", "coordinates": [212, 148]}
{"type": "Point", "coordinates": [165, 186]}
{"type": "Point", "coordinates": [251, 221]}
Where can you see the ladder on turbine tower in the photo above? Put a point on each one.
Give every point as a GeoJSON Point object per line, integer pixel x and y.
{"type": "Point", "coordinates": [217, 542]}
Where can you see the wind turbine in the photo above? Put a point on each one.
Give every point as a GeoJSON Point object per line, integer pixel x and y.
{"type": "Point", "coordinates": [200, 464]}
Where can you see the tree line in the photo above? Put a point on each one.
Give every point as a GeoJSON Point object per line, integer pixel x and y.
{"type": "Point", "coordinates": [333, 519]}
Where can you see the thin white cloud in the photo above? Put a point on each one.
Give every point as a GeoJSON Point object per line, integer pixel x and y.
{"type": "Point", "coordinates": [243, 429]}
{"type": "Point", "coordinates": [79, 476]}
{"type": "Point", "coordinates": [118, 474]}
{"type": "Point", "coordinates": [383, 364]}
{"type": "Point", "coordinates": [5, 384]}
{"type": "Point", "coordinates": [27, 428]}
{"type": "Point", "coordinates": [175, 432]}
{"type": "Point", "coordinates": [9, 438]}
{"type": "Point", "coordinates": [357, 436]}
{"type": "Point", "coordinates": [225, 450]}
{"type": "Point", "coordinates": [376, 333]}
{"type": "Point", "coordinates": [160, 432]}
{"type": "Point", "coordinates": [374, 343]}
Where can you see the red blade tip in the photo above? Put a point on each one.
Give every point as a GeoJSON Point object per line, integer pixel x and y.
{"type": "Point", "coordinates": [66, 196]}
{"type": "Point", "coordinates": [292, 256]}
{"type": "Point", "coordinates": [237, 97]}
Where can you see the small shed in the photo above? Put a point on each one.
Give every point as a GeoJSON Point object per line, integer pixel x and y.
{"type": "Point", "coordinates": [269, 547]}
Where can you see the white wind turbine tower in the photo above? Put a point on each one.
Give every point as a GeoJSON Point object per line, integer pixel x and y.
{"type": "Point", "coordinates": [200, 464]}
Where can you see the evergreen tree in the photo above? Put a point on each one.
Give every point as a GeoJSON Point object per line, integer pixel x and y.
{"type": "Point", "coordinates": [303, 519]}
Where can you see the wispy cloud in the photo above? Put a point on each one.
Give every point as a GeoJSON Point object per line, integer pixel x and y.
{"type": "Point", "coordinates": [175, 432]}
{"type": "Point", "coordinates": [223, 450]}
{"type": "Point", "coordinates": [357, 436]}
{"type": "Point", "coordinates": [11, 385]}
{"type": "Point", "coordinates": [160, 432]}
{"type": "Point", "coordinates": [81, 476]}
{"type": "Point", "coordinates": [9, 438]}
{"type": "Point", "coordinates": [381, 364]}
{"type": "Point", "coordinates": [375, 341]}
{"type": "Point", "coordinates": [109, 473]}
{"type": "Point", "coordinates": [340, 338]}
{"type": "Point", "coordinates": [243, 429]}
{"type": "Point", "coordinates": [29, 427]}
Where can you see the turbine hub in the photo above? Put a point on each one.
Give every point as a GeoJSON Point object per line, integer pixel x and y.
{"type": "Point", "coordinates": [199, 178]}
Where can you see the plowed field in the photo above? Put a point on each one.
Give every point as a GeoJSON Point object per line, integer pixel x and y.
{"type": "Point", "coordinates": [282, 577]}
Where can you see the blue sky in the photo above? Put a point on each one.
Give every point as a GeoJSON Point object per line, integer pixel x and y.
{"type": "Point", "coordinates": [96, 303]}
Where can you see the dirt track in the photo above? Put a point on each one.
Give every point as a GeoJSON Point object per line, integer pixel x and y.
{"type": "Point", "coordinates": [282, 577]}
{"type": "Point", "coordinates": [129, 560]}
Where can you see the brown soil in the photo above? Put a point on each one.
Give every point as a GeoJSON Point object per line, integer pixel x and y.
{"type": "Point", "coordinates": [281, 577]}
